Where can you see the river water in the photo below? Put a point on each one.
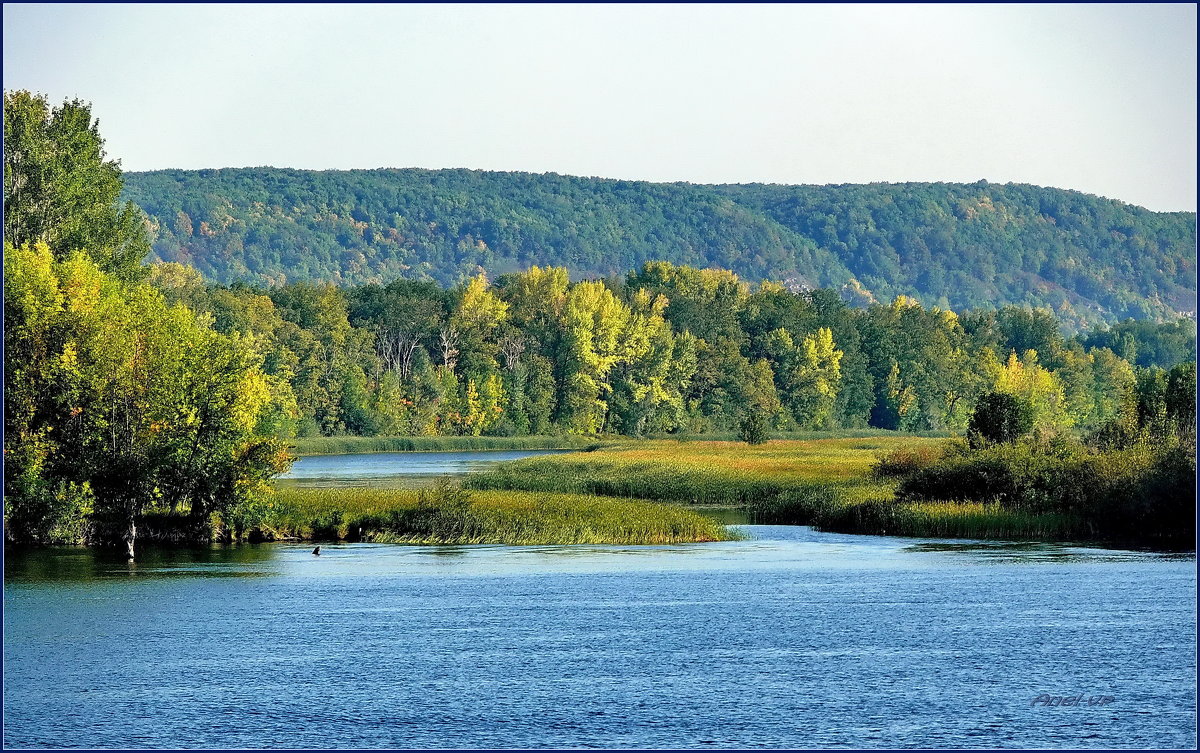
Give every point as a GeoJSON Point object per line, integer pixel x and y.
{"type": "Point", "coordinates": [394, 469]}
{"type": "Point", "coordinates": [793, 638]}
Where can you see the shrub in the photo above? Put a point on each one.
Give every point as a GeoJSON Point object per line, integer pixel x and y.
{"type": "Point", "coordinates": [1138, 493]}
{"type": "Point", "coordinates": [754, 429]}
{"type": "Point", "coordinates": [999, 418]}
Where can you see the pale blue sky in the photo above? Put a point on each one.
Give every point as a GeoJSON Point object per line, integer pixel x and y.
{"type": "Point", "coordinates": [1099, 98]}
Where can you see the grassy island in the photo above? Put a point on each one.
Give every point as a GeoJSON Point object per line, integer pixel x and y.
{"type": "Point", "coordinates": [895, 485]}
{"type": "Point", "coordinates": [448, 514]}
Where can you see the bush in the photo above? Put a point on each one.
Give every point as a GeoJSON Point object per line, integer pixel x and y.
{"type": "Point", "coordinates": [999, 418]}
{"type": "Point", "coordinates": [1138, 493]}
{"type": "Point", "coordinates": [754, 428]}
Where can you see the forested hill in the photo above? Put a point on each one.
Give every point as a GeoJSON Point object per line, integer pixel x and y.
{"type": "Point", "coordinates": [954, 245]}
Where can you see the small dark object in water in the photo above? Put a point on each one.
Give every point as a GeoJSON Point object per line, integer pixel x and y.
{"type": "Point", "coordinates": [317, 551]}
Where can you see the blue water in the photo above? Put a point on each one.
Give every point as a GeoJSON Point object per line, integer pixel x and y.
{"type": "Point", "coordinates": [396, 468]}
{"type": "Point", "coordinates": [792, 639]}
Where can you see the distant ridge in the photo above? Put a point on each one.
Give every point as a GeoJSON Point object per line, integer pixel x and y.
{"type": "Point", "coordinates": [949, 244]}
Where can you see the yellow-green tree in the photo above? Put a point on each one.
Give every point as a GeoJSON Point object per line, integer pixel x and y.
{"type": "Point", "coordinates": [808, 374]}
{"type": "Point", "coordinates": [594, 322]}
{"type": "Point", "coordinates": [123, 402]}
{"type": "Point", "coordinates": [1040, 388]}
{"type": "Point", "coordinates": [641, 386]}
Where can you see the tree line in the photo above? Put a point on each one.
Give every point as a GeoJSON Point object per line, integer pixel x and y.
{"type": "Point", "coordinates": [664, 349]}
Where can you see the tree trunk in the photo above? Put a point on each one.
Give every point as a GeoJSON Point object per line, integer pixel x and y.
{"type": "Point", "coordinates": [129, 536]}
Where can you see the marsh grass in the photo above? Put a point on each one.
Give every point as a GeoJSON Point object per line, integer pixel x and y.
{"type": "Point", "coordinates": [843, 484]}
{"type": "Point", "coordinates": [732, 436]}
{"type": "Point", "coordinates": [446, 514]}
{"type": "Point", "coordinates": [706, 473]}
{"type": "Point", "coordinates": [971, 520]}
{"type": "Point", "coordinates": [906, 461]}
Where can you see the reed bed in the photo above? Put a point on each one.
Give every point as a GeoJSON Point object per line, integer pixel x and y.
{"type": "Point", "coordinates": [449, 515]}
{"type": "Point", "coordinates": [732, 436]}
{"type": "Point", "coordinates": [776, 474]}
{"type": "Point", "coordinates": [843, 484]}
{"type": "Point", "coordinates": [971, 520]}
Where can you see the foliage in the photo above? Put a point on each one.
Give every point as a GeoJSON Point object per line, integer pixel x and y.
{"type": "Point", "coordinates": [176, 394]}
{"type": "Point", "coordinates": [1134, 480]}
{"type": "Point", "coordinates": [1118, 494]}
{"type": "Point", "coordinates": [59, 189]}
{"type": "Point", "coordinates": [1035, 386]}
{"type": "Point", "coordinates": [947, 245]}
{"type": "Point", "coordinates": [754, 428]}
{"type": "Point", "coordinates": [116, 401]}
{"type": "Point", "coordinates": [1147, 343]}
{"type": "Point", "coordinates": [533, 353]}
{"type": "Point", "coordinates": [1000, 418]}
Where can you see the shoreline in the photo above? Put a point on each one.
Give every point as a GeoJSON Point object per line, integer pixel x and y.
{"type": "Point", "coordinates": [637, 492]}
{"type": "Point", "coordinates": [360, 445]}
{"type": "Point", "coordinates": [177, 545]}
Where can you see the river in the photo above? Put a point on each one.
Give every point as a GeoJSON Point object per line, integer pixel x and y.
{"type": "Point", "coordinates": [396, 469]}
{"type": "Point", "coordinates": [793, 638]}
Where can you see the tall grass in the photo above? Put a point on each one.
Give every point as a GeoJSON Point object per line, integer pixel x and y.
{"type": "Point", "coordinates": [846, 485]}
{"type": "Point", "coordinates": [973, 520]}
{"type": "Point", "coordinates": [781, 481]}
{"type": "Point", "coordinates": [350, 445]}
{"type": "Point", "coordinates": [449, 515]}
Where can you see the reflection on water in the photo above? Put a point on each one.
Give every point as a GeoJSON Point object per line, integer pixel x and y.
{"type": "Point", "coordinates": [1037, 551]}
{"type": "Point", "coordinates": [86, 564]}
{"type": "Point", "coordinates": [794, 638]}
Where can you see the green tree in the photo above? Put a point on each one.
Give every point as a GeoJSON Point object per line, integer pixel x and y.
{"type": "Point", "coordinates": [1180, 398]}
{"type": "Point", "coordinates": [60, 190]}
{"type": "Point", "coordinates": [1000, 418]}
{"type": "Point", "coordinates": [754, 428]}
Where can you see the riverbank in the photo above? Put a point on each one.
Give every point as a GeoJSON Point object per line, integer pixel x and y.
{"type": "Point", "coordinates": [825, 483]}
{"type": "Point", "coordinates": [672, 491]}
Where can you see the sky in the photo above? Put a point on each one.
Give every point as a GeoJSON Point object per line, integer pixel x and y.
{"type": "Point", "coordinates": [1097, 98]}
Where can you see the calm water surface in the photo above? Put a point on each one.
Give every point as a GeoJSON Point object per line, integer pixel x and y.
{"type": "Point", "coordinates": [396, 468]}
{"type": "Point", "coordinates": [792, 639]}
